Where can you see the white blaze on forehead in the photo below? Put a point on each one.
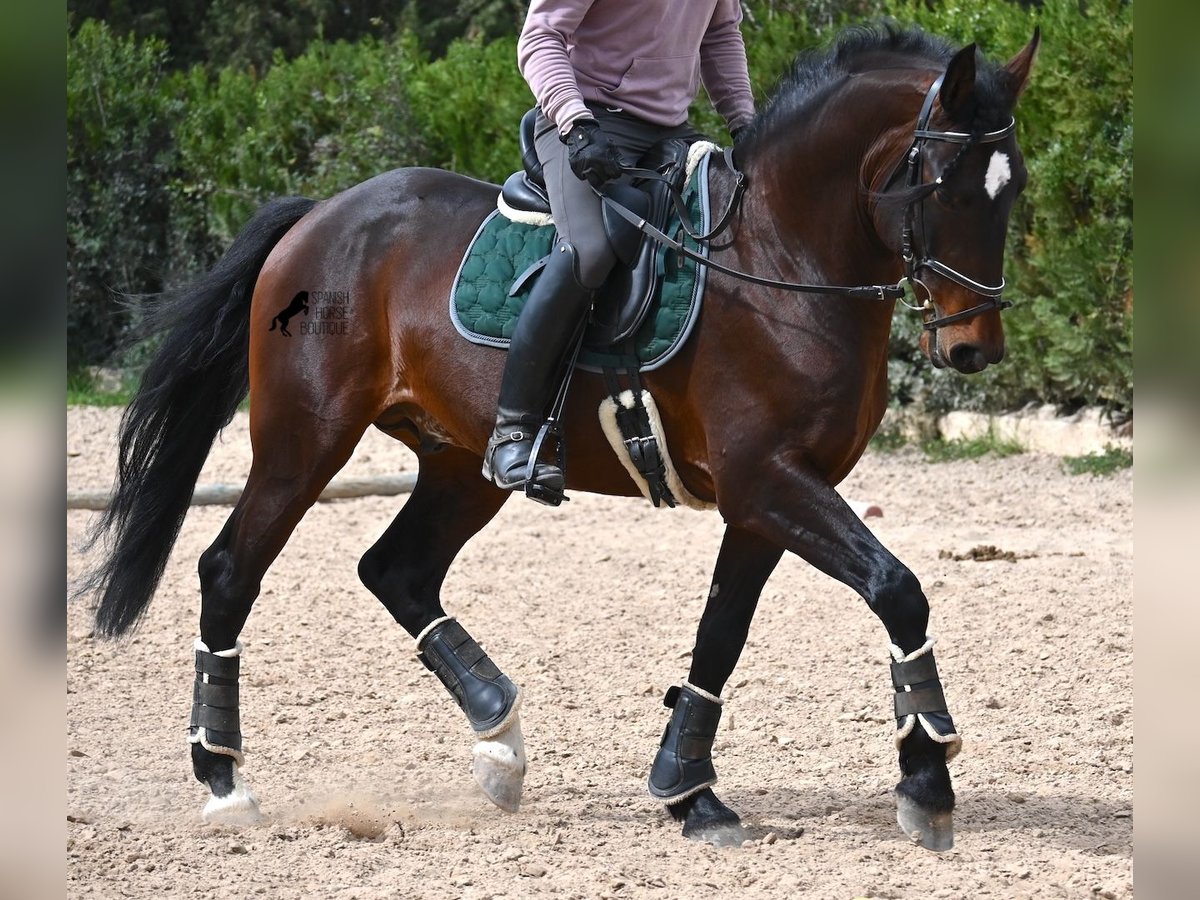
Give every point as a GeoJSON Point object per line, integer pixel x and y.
{"type": "Point", "coordinates": [998, 174]}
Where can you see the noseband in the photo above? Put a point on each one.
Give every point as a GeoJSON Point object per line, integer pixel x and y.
{"type": "Point", "coordinates": [915, 243]}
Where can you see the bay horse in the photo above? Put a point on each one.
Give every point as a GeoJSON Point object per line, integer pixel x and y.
{"type": "Point", "coordinates": [889, 152]}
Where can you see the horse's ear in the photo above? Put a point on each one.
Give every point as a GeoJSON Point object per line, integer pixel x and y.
{"type": "Point", "coordinates": [1020, 66]}
{"type": "Point", "coordinates": [958, 84]}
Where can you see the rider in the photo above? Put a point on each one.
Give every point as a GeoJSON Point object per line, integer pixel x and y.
{"type": "Point", "coordinates": [611, 79]}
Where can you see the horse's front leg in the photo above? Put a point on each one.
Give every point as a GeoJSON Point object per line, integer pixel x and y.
{"type": "Point", "coordinates": [796, 508]}
{"type": "Point", "coordinates": [683, 773]}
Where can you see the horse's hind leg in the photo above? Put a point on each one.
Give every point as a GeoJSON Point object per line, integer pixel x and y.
{"type": "Point", "coordinates": [284, 482]}
{"type": "Point", "coordinates": [682, 774]}
{"type": "Point", "coordinates": [405, 569]}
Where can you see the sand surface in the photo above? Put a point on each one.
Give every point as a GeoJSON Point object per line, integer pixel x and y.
{"type": "Point", "coordinates": [362, 762]}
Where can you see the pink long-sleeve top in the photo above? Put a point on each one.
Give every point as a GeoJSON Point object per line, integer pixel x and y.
{"type": "Point", "coordinates": [647, 57]}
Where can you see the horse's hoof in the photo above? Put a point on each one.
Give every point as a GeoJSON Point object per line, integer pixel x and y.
{"type": "Point", "coordinates": [729, 834]}
{"type": "Point", "coordinates": [238, 807]}
{"type": "Point", "coordinates": [499, 767]}
{"type": "Point", "coordinates": [707, 819]}
{"type": "Point", "coordinates": [931, 830]}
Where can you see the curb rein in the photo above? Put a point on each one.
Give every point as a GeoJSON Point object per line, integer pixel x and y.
{"type": "Point", "coordinates": [914, 226]}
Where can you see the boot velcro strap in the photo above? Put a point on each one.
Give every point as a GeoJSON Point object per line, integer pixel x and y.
{"type": "Point", "coordinates": [696, 746]}
{"type": "Point", "coordinates": [216, 718]}
{"type": "Point", "coordinates": [215, 697]}
{"type": "Point", "coordinates": [923, 700]}
{"type": "Point", "coordinates": [906, 674]}
{"type": "Point", "coordinates": [465, 650]}
{"type": "Point", "coordinates": [224, 696]}
{"type": "Point", "coordinates": [698, 726]}
{"type": "Point", "coordinates": [218, 666]}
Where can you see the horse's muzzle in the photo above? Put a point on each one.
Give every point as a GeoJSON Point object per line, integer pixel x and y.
{"type": "Point", "coordinates": [965, 356]}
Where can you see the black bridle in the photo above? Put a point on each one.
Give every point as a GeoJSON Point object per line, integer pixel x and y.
{"type": "Point", "coordinates": [914, 242]}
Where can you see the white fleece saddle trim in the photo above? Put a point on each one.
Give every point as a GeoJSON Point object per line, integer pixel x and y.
{"type": "Point", "coordinates": [612, 431]}
{"type": "Point", "coordinates": [522, 216]}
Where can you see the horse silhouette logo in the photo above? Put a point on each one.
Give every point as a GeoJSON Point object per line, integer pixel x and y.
{"type": "Point", "coordinates": [299, 304]}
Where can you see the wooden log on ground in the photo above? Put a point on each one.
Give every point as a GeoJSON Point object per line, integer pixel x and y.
{"type": "Point", "coordinates": [228, 494]}
{"type": "Point", "coordinates": [338, 489]}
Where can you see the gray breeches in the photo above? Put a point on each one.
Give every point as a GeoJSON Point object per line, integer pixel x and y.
{"type": "Point", "coordinates": [574, 204]}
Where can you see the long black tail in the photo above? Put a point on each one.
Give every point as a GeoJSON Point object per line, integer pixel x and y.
{"type": "Point", "coordinates": [188, 393]}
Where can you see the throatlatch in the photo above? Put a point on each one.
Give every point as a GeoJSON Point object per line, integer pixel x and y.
{"type": "Point", "coordinates": [215, 722]}
{"type": "Point", "coordinates": [684, 764]}
{"type": "Point", "coordinates": [481, 690]}
{"type": "Point", "coordinates": [919, 698]}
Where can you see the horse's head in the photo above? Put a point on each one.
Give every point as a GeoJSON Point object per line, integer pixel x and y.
{"type": "Point", "coordinates": [947, 205]}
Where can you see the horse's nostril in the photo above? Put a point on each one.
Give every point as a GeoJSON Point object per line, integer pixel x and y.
{"type": "Point", "coordinates": [967, 358]}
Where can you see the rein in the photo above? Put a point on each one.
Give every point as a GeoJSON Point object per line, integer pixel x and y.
{"type": "Point", "coordinates": [913, 231]}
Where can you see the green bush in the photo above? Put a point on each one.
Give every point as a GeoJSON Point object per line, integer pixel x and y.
{"type": "Point", "coordinates": [468, 105]}
{"type": "Point", "coordinates": [1070, 249]}
{"type": "Point", "coordinates": [119, 159]}
{"type": "Point", "coordinates": [164, 168]}
{"type": "Point", "coordinates": [314, 125]}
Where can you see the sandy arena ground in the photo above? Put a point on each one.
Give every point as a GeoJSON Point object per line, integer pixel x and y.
{"type": "Point", "coordinates": [362, 761]}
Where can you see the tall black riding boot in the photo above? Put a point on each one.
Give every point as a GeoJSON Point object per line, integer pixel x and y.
{"type": "Point", "coordinates": [552, 316]}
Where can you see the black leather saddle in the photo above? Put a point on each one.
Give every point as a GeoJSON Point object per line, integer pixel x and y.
{"type": "Point", "coordinates": [623, 302]}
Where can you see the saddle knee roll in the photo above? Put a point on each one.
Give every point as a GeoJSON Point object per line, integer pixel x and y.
{"type": "Point", "coordinates": [482, 691]}
{"type": "Point", "coordinates": [919, 698]}
{"type": "Point", "coordinates": [216, 719]}
{"type": "Point", "coordinates": [684, 763]}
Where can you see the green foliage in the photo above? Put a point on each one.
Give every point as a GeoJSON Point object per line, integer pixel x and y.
{"type": "Point", "coordinates": [940, 450]}
{"type": "Point", "coordinates": [888, 440]}
{"type": "Point", "coordinates": [1113, 459]}
{"type": "Point", "coordinates": [1070, 250]}
{"type": "Point", "coordinates": [172, 146]}
{"type": "Point", "coordinates": [82, 390]}
{"type": "Point", "coordinates": [315, 125]}
{"type": "Point", "coordinates": [468, 104]}
{"type": "Point", "coordinates": [119, 160]}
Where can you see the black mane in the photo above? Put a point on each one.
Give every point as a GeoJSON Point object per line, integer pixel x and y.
{"type": "Point", "coordinates": [880, 45]}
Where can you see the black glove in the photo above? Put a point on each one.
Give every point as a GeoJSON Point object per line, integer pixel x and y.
{"type": "Point", "coordinates": [738, 133]}
{"type": "Point", "coordinates": [592, 155]}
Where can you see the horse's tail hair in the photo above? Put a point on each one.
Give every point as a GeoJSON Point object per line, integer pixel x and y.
{"type": "Point", "coordinates": [188, 393]}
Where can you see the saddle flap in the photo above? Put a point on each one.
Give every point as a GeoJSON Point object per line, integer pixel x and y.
{"type": "Point", "coordinates": [629, 292]}
{"type": "Point", "coordinates": [623, 236]}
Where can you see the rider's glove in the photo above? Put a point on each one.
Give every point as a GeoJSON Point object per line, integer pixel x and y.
{"type": "Point", "coordinates": [591, 153]}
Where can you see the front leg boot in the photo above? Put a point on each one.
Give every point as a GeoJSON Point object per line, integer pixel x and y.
{"type": "Point", "coordinates": [481, 690]}
{"type": "Point", "coordinates": [684, 766]}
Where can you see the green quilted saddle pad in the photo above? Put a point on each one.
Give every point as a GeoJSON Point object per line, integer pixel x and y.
{"type": "Point", "coordinates": [485, 312]}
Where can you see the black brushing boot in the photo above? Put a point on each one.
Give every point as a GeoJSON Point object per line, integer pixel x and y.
{"type": "Point", "coordinates": [552, 316]}
{"type": "Point", "coordinates": [684, 763]}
